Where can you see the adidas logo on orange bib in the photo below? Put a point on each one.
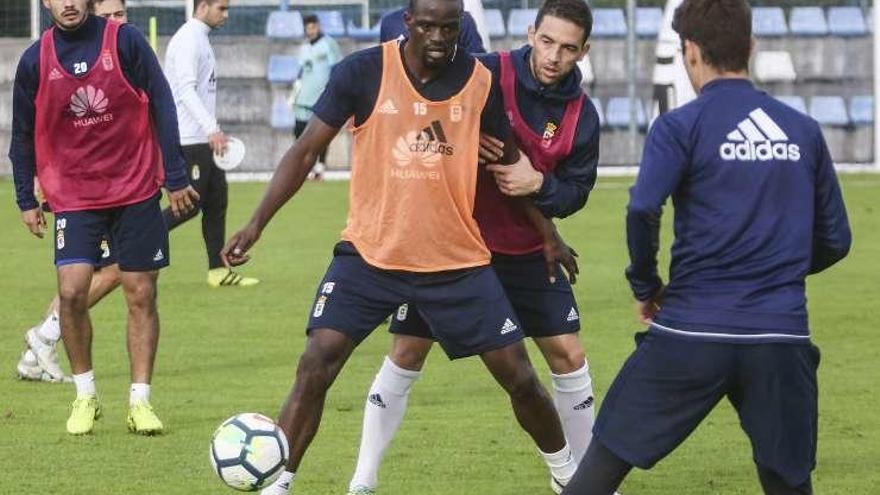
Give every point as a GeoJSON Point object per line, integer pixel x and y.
{"type": "Point", "coordinates": [388, 108]}
{"type": "Point", "coordinates": [758, 138]}
{"type": "Point", "coordinates": [425, 147]}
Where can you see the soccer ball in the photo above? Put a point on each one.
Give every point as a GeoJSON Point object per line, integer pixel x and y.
{"type": "Point", "coordinates": [249, 451]}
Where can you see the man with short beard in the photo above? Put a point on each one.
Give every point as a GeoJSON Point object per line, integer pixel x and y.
{"type": "Point", "coordinates": [94, 118]}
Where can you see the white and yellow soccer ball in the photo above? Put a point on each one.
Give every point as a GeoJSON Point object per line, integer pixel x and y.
{"type": "Point", "coordinates": [249, 451]}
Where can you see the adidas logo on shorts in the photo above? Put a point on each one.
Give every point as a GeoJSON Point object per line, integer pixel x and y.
{"type": "Point", "coordinates": [508, 327]}
{"type": "Point", "coordinates": [159, 256]}
{"type": "Point", "coordinates": [572, 315]}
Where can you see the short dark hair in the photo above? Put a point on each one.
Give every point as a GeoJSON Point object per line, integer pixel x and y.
{"type": "Point", "coordinates": [310, 19]}
{"type": "Point", "coordinates": [197, 2]}
{"type": "Point", "coordinates": [92, 4]}
{"type": "Point", "coordinates": [721, 28]}
{"type": "Point", "coordinates": [412, 5]}
{"type": "Point", "coordinates": [575, 11]}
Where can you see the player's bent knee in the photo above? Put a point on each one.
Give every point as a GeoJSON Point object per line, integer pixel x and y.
{"type": "Point", "coordinates": [410, 353]}
{"type": "Point", "coordinates": [72, 297]}
{"type": "Point", "coordinates": [566, 361]}
{"type": "Point", "coordinates": [326, 352]}
{"type": "Point", "coordinates": [524, 385]}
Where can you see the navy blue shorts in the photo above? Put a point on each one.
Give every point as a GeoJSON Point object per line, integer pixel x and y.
{"type": "Point", "coordinates": [136, 233]}
{"type": "Point", "coordinates": [668, 385]}
{"type": "Point", "coordinates": [544, 309]}
{"type": "Point", "coordinates": [467, 308]}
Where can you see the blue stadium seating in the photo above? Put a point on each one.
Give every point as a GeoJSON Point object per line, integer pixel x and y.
{"type": "Point", "coordinates": [283, 69]}
{"type": "Point", "coordinates": [861, 110]}
{"type": "Point", "coordinates": [282, 115]}
{"type": "Point", "coordinates": [494, 23]}
{"type": "Point", "coordinates": [598, 104]}
{"type": "Point", "coordinates": [794, 101]}
{"type": "Point", "coordinates": [648, 20]}
{"type": "Point", "coordinates": [829, 110]}
{"type": "Point", "coordinates": [768, 22]}
{"type": "Point", "coordinates": [618, 110]}
{"type": "Point", "coordinates": [808, 21]}
{"type": "Point", "coordinates": [284, 25]}
{"type": "Point", "coordinates": [609, 23]}
{"type": "Point", "coordinates": [519, 20]}
{"type": "Point", "coordinates": [363, 34]}
{"type": "Point", "coordinates": [332, 23]}
{"type": "Point", "coordinates": [846, 21]}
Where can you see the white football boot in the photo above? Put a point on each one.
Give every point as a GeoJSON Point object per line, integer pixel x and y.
{"type": "Point", "coordinates": [45, 353]}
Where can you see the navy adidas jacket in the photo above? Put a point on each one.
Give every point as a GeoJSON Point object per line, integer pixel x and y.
{"type": "Point", "coordinates": [757, 208]}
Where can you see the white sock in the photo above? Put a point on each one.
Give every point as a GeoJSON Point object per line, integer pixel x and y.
{"type": "Point", "coordinates": [561, 464]}
{"type": "Point", "coordinates": [573, 396]}
{"type": "Point", "coordinates": [85, 384]}
{"type": "Point", "coordinates": [140, 392]}
{"type": "Point", "coordinates": [383, 413]}
{"type": "Point", "coordinates": [282, 486]}
{"type": "Point", "coordinates": [50, 329]}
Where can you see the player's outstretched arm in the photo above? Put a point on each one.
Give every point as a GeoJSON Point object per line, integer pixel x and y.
{"type": "Point", "coordinates": [289, 176]}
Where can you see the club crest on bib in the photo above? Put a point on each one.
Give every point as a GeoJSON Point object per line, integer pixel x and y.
{"type": "Point", "coordinates": [107, 61]}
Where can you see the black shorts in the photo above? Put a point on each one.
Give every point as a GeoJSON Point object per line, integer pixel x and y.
{"type": "Point", "coordinates": [545, 309]}
{"type": "Point", "coordinates": [136, 233]}
{"type": "Point", "coordinates": [466, 308]}
{"type": "Point", "coordinates": [669, 384]}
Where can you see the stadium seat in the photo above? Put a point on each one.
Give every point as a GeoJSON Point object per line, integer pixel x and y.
{"type": "Point", "coordinates": [284, 25]}
{"type": "Point", "coordinates": [519, 20]}
{"type": "Point", "coordinates": [768, 22]}
{"type": "Point", "coordinates": [846, 22]}
{"type": "Point", "coordinates": [794, 101]}
{"type": "Point", "coordinates": [808, 21]}
{"type": "Point", "coordinates": [362, 34]}
{"type": "Point", "coordinates": [829, 110]}
{"type": "Point", "coordinates": [494, 23]}
{"type": "Point", "coordinates": [774, 66]}
{"type": "Point", "coordinates": [598, 104]}
{"type": "Point", "coordinates": [282, 115]}
{"type": "Point", "coordinates": [618, 110]}
{"type": "Point", "coordinates": [608, 23]}
{"type": "Point", "coordinates": [332, 23]}
{"type": "Point", "coordinates": [861, 110]}
{"type": "Point", "coordinates": [283, 69]}
{"type": "Point", "coordinates": [648, 20]}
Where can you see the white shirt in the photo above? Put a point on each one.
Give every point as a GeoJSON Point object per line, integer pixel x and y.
{"type": "Point", "coordinates": [189, 67]}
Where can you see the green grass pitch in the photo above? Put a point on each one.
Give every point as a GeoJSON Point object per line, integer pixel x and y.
{"type": "Point", "coordinates": [225, 351]}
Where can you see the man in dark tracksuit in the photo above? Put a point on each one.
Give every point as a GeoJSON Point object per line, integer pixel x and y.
{"type": "Point", "coordinates": [757, 209]}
